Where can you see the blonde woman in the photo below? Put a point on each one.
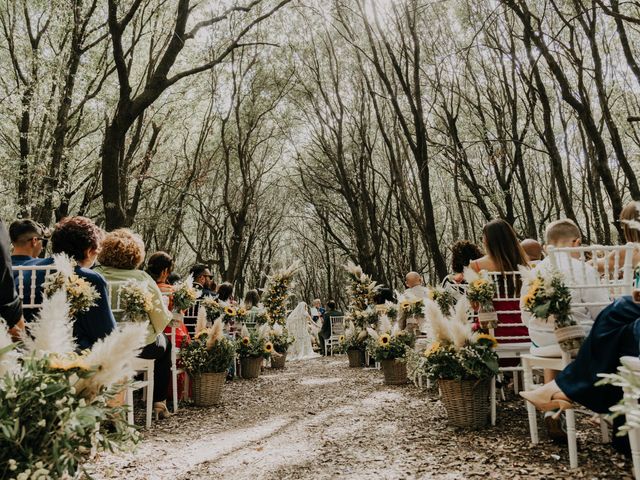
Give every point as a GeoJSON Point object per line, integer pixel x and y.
{"type": "Point", "coordinates": [630, 214]}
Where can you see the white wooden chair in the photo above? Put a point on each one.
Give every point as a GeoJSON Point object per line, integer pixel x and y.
{"type": "Point", "coordinates": [175, 371]}
{"type": "Point", "coordinates": [337, 329]}
{"type": "Point", "coordinates": [616, 282]}
{"type": "Point", "coordinates": [32, 301]}
{"type": "Point", "coordinates": [191, 318]}
{"type": "Point", "coordinates": [510, 344]}
{"type": "Point", "coordinates": [142, 365]}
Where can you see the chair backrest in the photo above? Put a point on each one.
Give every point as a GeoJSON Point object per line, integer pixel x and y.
{"type": "Point", "coordinates": [113, 292]}
{"type": "Point", "coordinates": [337, 325]}
{"type": "Point", "coordinates": [30, 278]}
{"type": "Point", "coordinates": [613, 274]}
{"type": "Point", "coordinates": [191, 318]}
{"type": "Point", "coordinates": [506, 302]}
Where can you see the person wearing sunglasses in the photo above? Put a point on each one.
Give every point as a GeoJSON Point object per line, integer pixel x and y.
{"type": "Point", "coordinates": [201, 279]}
{"type": "Point", "coordinates": [29, 240]}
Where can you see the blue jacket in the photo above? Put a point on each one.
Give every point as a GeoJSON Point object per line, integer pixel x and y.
{"type": "Point", "coordinates": [98, 321]}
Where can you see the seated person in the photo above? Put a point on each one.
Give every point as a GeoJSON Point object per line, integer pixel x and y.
{"type": "Point", "coordinates": [325, 330]}
{"type": "Point", "coordinates": [415, 288]}
{"type": "Point", "coordinates": [79, 238]}
{"type": "Point", "coordinates": [202, 278]}
{"type": "Point", "coordinates": [533, 249]}
{"type": "Point", "coordinates": [462, 253]}
{"type": "Point", "coordinates": [615, 334]}
{"type": "Point", "coordinates": [565, 233]}
{"type": "Point", "coordinates": [10, 304]}
{"type": "Point", "coordinates": [121, 254]}
{"type": "Point", "coordinates": [630, 213]}
{"type": "Point", "coordinates": [317, 310]}
{"type": "Point", "coordinates": [28, 239]}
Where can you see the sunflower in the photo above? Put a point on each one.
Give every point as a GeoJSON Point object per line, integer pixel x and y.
{"type": "Point", "coordinates": [433, 348]}
{"type": "Point", "coordinates": [242, 312]}
{"type": "Point", "coordinates": [384, 340]}
{"type": "Point", "coordinates": [479, 283]}
{"type": "Point", "coordinates": [246, 341]}
{"type": "Point", "coordinates": [405, 305]}
{"type": "Point", "coordinates": [490, 338]}
{"type": "Point", "coordinates": [341, 339]}
{"type": "Point", "coordinates": [229, 311]}
{"type": "Point", "coordinates": [268, 347]}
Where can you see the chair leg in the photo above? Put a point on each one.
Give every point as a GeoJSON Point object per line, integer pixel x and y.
{"type": "Point", "coordinates": [150, 385]}
{"type": "Point", "coordinates": [129, 401]}
{"type": "Point", "coordinates": [604, 430]}
{"type": "Point", "coordinates": [531, 410]}
{"type": "Point", "coordinates": [174, 387]}
{"type": "Point", "coordinates": [634, 440]}
{"type": "Point", "coordinates": [493, 401]}
{"type": "Point", "coordinates": [572, 440]}
{"type": "Point", "coordinates": [516, 382]}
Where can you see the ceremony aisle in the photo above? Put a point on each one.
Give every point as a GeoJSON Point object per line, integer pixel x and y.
{"type": "Point", "coordinates": [319, 419]}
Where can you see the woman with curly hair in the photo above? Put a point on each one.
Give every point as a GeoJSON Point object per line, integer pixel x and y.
{"type": "Point", "coordinates": [463, 252]}
{"type": "Point", "coordinates": [79, 238]}
{"type": "Point", "coordinates": [122, 252]}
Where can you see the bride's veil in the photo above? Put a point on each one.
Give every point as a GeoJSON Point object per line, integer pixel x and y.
{"type": "Point", "coordinates": [299, 314]}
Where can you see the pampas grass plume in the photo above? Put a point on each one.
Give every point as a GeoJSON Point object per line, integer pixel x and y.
{"type": "Point", "coordinates": [215, 333]}
{"type": "Point", "coordinates": [8, 359]}
{"type": "Point", "coordinates": [52, 331]}
{"type": "Point", "coordinates": [201, 322]}
{"type": "Point", "coordinates": [385, 324]}
{"type": "Point", "coordinates": [439, 325]}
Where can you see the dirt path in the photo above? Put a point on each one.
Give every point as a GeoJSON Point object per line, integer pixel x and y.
{"type": "Point", "coordinates": [322, 420]}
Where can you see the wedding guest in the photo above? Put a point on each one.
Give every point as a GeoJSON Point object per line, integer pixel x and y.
{"type": "Point", "coordinates": [80, 238]}
{"type": "Point", "coordinates": [561, 234]}
{"type": "Point", "coordinates": [317, 311]}
{"type": "Point", "coordinates": [325, 331]}
{"type": "Point", "coordinates": [121, 255]}
{"type": "Point", "coordinates": [462, 253]}
{"type": "Point", "coordinates": [225, 292]}
{"type": "Point", "coordinates": [415, 288]}
{"type": "Point", "coordinates": [173, 278]}
{"type": "Point", "coordinates": [533, 249]}
{"type": "Point", "coordinates": [201, 278]}
{"type": "Point", "coordinates": [28, 239]}
{"type": "Point", "coordinates": [615, 334]}
{"type": "Point", "coordinates": [251, 300]}
{"type": "Point", "coordinates": [630, 214]}
{"type": "Point", "coordinates": [504, 254]}
{"type": "Point", "coordinates": [10, 303]}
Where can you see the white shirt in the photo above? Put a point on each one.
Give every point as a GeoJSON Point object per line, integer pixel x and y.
{"type": "Point", "coordinates": [419, 291]}
{"type": "Point", "coordinates": [541, 332]}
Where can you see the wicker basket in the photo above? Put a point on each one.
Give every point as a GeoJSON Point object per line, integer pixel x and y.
{"type": "Point", "coordinates": [250, 367]}
{"type": "Point", "coordinates": [570, 338]}
{"type": "Point", "coordinates": [207, 388]}
{"type": "Point", "coordinates": [356, 358]}
{"type": "Point", "coordinates": [277, 361]}
{"type": "Point", "coordinates": [395, 372]}
{"type": "Point", "coordinates": [466, 401]}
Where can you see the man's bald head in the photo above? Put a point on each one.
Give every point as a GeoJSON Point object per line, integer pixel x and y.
{"type": "Point", "coordinates": [413, 279]}
{"type": "Point", "coordinates": [532, 248]}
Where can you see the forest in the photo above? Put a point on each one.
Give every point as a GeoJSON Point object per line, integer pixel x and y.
{"type": "Point", "coordinates": [245, 134]}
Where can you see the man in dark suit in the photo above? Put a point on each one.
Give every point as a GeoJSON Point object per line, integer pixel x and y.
{"type": "Point", "coordinates": [325, 331]}
{"type": "Point", "coordinates": [10, 303]}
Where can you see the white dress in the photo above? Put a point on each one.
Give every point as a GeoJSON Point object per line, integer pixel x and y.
{"type": "Point", "coordinates": [298, 326]}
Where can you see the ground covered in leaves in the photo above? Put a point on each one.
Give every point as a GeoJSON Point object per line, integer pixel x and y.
{"type": "Point", "coordinates": [320, 420]}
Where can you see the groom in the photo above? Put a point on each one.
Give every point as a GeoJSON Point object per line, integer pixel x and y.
{"type": "Point", "coordinates": [325, 331]}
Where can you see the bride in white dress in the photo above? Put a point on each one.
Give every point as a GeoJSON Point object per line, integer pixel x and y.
{"type": "Point", "coordinates": [298, 324]}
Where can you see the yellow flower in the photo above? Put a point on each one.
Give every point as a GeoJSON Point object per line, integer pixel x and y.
{"type": "Point", "coordinates": [341, 338]}
{"type": "Point", "coordinates": [384, 340]}
{"type": "Point", "coordinates": [246, 341]}
{"type": "Point", "coordinates": [268, 347]}
{"type": "Point", "coordinates": [434, 348]}
{"type": "Point", "coordinates": [229, 311]}
{"type": "Point", "coordinates": [242, 312]}
{"type": "Point", "coordinates": [478, 283]}
{"type": "Point", "coordinates": [491, 338]}
{"type": "Point", "coordinates": [405, 305]}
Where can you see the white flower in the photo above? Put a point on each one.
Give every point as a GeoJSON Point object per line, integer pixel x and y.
{"type": "Point", "coordinates": [41, 423]}
{"type": "Point", "coordinates": [12, 464]}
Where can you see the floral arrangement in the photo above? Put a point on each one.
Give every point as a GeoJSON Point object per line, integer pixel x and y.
{"type": "Point", "coordinates": [410, 306]}
{"type": "Point", "coordinates": [184, 295]}
{"type": "Point", "coordinates": [481, 289]}
{"type": "Point", "coordinates": [390, 342]}
{"type": "Point", "coordinates": [254, 344]}
{"type": "Point", "coordinates": [213, 308]}
{"type": "Point", "coordinates": [548, 298]}
{"type": "Point", "coordinates": [354, 338]}
{"type": "Point", "coordinates": [363, 318]}
{"type": "Point", "coordinates": [276, 294]}
{"type": "Point", "coordinates": [361, 288]}
{"type": "Point", "coordinates": [226, 311]}
{"type": "Point", "coordinates": [136, 300]}
{"type": "Point", "coordinates": [52, 400]}
{"type": "Point", "coordinates": [391, 310]}
{"type": "Point", "coordinates": [444, 298]}
{"type": "Point", "coordinates": [457, 352]}
{"type": "Point", "coordinates": [280, 338]}
{"type": "Point", "coordinates": [209, 352]}
{"type": "Point", "coordinates": [81, 295]}
{"type": "Point", "coordinates": [261, 315]}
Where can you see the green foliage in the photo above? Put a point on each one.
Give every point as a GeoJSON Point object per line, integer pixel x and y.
{"type": "Point", "coordinates": [475, 360]}
{"type": "Point", "coordinates": [46, 431]}
{"type": "Point", "coordinates": [197, 357]}
{"type": "Point", "coordinates": [389, 347]}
